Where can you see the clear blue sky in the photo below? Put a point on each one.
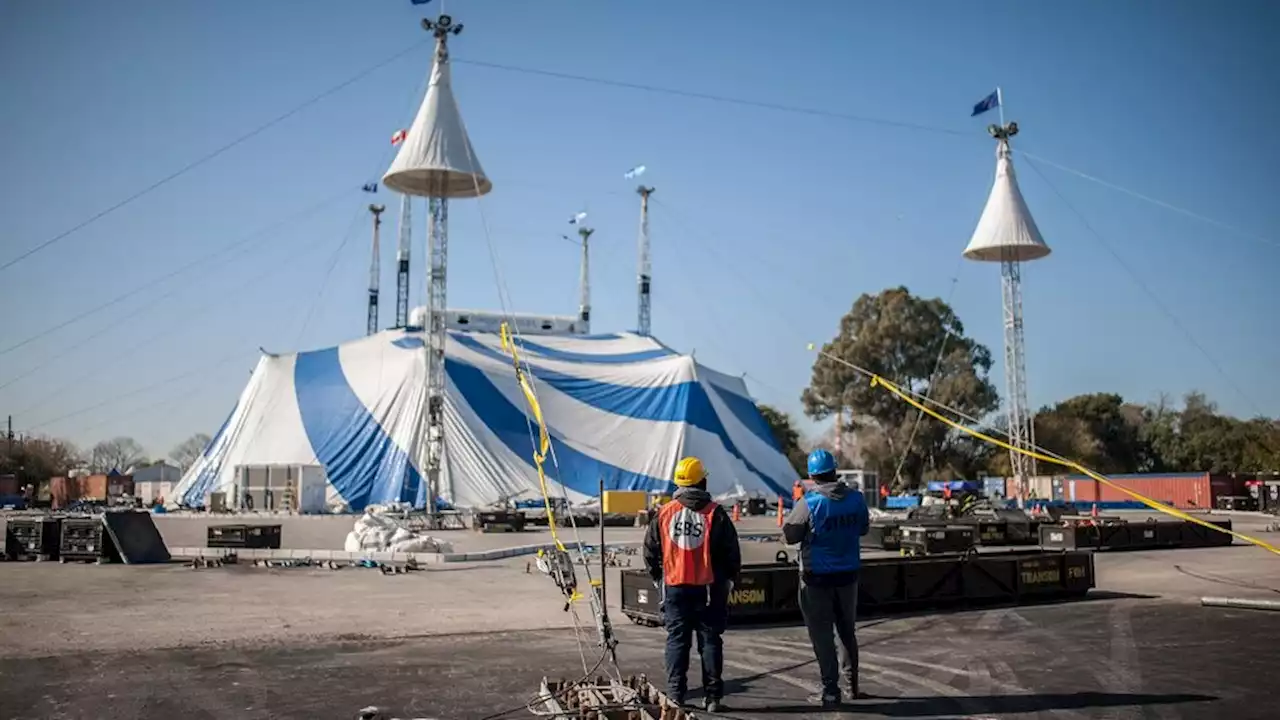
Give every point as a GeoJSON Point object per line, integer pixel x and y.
{"type": "Point", "coordinates": [767, 224]}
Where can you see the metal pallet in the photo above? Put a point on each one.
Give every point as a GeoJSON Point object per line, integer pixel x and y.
{"type": "Point", "coordinates": [633, 698]}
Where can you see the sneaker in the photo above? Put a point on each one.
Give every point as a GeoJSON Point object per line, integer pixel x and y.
{"type": "Point", "coordinates": [826, 700]}
{"type": "Point", "coordinates": [713, 705]}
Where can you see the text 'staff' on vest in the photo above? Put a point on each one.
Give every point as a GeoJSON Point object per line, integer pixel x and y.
{"type": "Point", "coordinates": [686, 544]}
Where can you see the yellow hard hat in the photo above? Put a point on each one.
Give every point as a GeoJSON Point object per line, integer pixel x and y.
{"type": "Point", "coordinates": [689, 472]}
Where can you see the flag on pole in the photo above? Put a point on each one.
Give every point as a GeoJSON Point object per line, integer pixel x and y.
{"type": "Point", "coordinates": [989, 102]}
{"type": "Point", "coordinates": [399, 137]}
{"type": "Point", "coordinates": [371, 187]}
{"type": "Point", "coordinates": [634, 172]}
{"type": "Point", "coordinates": [419, 2]}
{"type": "Point", "coordinates": [577, 218]}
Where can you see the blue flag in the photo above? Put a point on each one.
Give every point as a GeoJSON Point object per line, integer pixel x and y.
{"type": "Point", "coordinates": [419, 2]}
{"type": "Point", "coordinates": [371, 187]}
{"type": "Point", "coordinates": [988, 103]}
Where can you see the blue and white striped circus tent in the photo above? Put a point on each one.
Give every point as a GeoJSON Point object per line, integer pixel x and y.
{"type": "Point", "coordinates": [620, 407]}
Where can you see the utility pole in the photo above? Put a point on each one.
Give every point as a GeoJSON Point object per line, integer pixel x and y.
{"type": "Point", "coordinates": [402, 263]}
{"type": "Point", "coordinates": [646, 269]}
{"type": "Point", "coordinates": [374, 270]}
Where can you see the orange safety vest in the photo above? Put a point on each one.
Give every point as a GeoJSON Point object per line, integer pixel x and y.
{"type": "Point", "coordinates": [686, 544]}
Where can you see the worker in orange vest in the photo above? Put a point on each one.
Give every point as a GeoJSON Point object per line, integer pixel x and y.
{"type": "Point", "coordinates": [691, 552]}
{"type": "Point", "coordinates": [884, 495]}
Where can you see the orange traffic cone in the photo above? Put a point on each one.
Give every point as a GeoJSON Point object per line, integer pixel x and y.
{"type": "Point", "coordinates": [737, 513]}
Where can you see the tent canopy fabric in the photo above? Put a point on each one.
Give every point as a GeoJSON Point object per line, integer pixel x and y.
{"type": "Point", "coordinates": [618, 407]}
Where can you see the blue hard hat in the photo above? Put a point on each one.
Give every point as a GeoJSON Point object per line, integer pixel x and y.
{"type": "Point", "coordinates": [820, 462]}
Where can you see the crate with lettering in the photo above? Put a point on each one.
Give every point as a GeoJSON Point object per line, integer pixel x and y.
{"type": "Point", "coordinates": [31, 538]}
{"type": "Point", "coordinates": [244, 537]}
{"type": "Point", "coordinates": [935, 540]}
{"type": "Point", "coordinates": [86, 540]}
{"type": "Point", "coordinates": [881, 536]}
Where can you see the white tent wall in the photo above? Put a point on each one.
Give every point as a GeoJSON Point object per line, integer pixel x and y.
{"type": "Point", "coordinates": [621, 408]}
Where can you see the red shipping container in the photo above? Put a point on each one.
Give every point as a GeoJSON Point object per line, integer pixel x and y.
{"type": "Point", "coordinates": [62, 491]}
{"type": "Point", "coordinates": [1188, 491]}
{"type": "Point", "coordinates": [93, 487]}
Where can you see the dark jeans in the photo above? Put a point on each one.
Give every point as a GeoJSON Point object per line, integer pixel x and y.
{"type": "Point", "coordinates": [690, 610]}
{"type": "Point", "coordinates": [830, 611]}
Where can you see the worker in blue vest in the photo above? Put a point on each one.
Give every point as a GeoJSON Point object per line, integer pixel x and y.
{"type": "Point", "coordinates": [828, 524]}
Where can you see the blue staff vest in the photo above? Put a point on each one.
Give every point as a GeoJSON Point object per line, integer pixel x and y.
{"type": "Point", "coordinates": [835, 533]}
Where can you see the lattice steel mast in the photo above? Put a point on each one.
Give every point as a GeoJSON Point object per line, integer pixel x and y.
{"type": "Point", "coordinates": [645, 275]}
{"type": "Point", "coordinates": [584, 279]}
{"type": "Point", "coordinates": [1007, 234]}
{"type": "Point", "coordinates": [375, 269]}
{"type": "Point", "coordinates": [436, 161]}
{"type": "Point", "coordinates": [402, 261]}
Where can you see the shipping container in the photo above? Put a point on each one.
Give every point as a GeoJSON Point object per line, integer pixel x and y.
{"type": "Point", "coordinates": [92, 487]}
{"type": "Point", "coordinates": [63, 491]}
{"type": "Point", "coordinates": [624, 501]}
{"type": "Point", "coordinates": [1183, 490]}
{"type": "Point", "coordinates": [118, 485]}
{"type": "Point", "coordinates": [1039, 487]}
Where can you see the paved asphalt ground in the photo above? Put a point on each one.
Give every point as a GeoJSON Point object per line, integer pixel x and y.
{"type": "Point", "coordinates": [465, 641]}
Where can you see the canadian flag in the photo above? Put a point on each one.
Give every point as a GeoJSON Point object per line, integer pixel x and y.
{"type": "Point", "coordinates": [399, 137]}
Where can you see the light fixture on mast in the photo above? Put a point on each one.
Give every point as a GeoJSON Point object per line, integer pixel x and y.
{"type": "Point", "coordinates": [1007, 234]}
{"type": "Point", "coordinates": [436, 161]}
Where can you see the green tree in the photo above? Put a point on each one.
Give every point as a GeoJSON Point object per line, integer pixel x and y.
{"type": "Point", "coordinates": [904, 339]}
{"type": "Point", "coordinates": [786, 436]}
{"type": "Point", "coordinates": [1097, 430]}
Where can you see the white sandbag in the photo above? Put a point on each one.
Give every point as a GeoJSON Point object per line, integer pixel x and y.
{"type": "Point", "coordinates": [400, 535]}
{"type": "Point", "coordinates": [353, 542]}
{"type": "Point", "coordinates": [422, 544]}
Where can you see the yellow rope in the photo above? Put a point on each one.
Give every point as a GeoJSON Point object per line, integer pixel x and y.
{"type": "Point", "coordinates": [877, 381]}
{"type": "Point", "coordinates": [544, 439]}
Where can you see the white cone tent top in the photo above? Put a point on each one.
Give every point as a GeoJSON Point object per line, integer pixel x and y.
{"type": "Point", "coordinates": [1006, 230]}
{"type": "Point", "coordinates": [436, 158]}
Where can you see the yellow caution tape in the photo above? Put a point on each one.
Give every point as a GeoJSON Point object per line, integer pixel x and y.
{"type": "Point", "coordinates": [877, 381]}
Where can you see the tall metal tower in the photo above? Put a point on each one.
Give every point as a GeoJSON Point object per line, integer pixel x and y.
{"type": "Point", "coordinates": [402, 262]}
{"type": "Point", "coordinates": [436, 161]}
{"type": "Point", "coordinates": [644, 276]}
{"type": "Point", "coordinates": [1007, 234]}
{"type": "Point", "coordinates": [374, 271]}
{"type": "Point", "coordinates": [584, 279]}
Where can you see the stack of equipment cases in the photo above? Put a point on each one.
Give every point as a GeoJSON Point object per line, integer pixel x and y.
{"type": "Point", "coordinates": [32, 538]}
{"type": "Point", "coordinates": [84, 539]}
{"type": "Point", "coordinates": [935, 539]}
{"type": "Point", "coordinates": [244, 537]}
